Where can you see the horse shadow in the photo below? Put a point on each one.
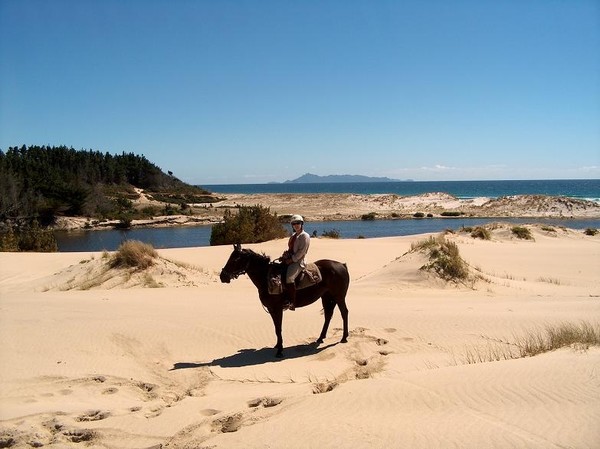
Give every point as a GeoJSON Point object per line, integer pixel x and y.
{"type": "Point", "coordinates": [252, 357]}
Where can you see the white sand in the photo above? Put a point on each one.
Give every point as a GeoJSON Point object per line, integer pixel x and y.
{"type": "Point", "coordinates": [95, 367]}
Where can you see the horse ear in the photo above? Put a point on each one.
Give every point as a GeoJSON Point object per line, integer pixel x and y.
{"type": "Point", "coordinates": [237, 247]}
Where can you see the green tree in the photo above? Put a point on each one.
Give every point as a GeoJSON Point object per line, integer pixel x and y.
{"type": "Point", "coordinates": [251, 224]}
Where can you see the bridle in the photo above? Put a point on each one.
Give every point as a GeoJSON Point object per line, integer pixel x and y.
{"type": "Point", "coordinates": [238, 273]}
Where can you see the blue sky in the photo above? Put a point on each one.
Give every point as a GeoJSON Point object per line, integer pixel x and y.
{"type": "Point", "coordinates": [222, 92]}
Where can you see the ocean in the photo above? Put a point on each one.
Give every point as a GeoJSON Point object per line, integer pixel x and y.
{"type": "Point", "coordinates": [588, 189]}
{"type": "Point", "coordinates": [193, 236]}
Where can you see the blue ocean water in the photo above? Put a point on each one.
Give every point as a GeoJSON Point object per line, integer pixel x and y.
{"type": "Point", "coordinates": [574, 188]}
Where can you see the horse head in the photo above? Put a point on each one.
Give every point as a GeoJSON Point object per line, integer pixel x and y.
{"type": "Point", "coordinates": [236, 264]}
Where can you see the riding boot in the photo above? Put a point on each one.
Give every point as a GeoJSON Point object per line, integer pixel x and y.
{"type": "Point", "coordinates": [291, 295]}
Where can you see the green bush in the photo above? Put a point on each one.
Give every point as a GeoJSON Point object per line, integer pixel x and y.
{"type": "Point", "coordinates": [29, 237]}
{"type": "Point", "coordinates": [251, 224]}
{"type": "Point", "coordinates": [522, 232]}
{"type": "Point", "coordinates": [448, 213]}
{"type": "Point", "coordinates": [444, 258]}
{"type": "Point", "coordinates": [419, 215]}
{"type": "Point", "coordinates": [369, 217]}
{"type": "Point", "coordinates": [591, 231]}
{"type": "Point", "coordinates": [332, 234]}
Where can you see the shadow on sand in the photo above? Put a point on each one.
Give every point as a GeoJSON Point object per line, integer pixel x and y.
{"type": "Point", "coordinates": [250, 357]}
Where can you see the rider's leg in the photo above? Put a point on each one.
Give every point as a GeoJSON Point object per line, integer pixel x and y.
{"type": "Point", "coordinates": [293, 271]}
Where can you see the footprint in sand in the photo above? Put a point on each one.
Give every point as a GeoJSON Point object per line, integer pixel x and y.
{"type": "Point", "coordinates": [231, 423]}
{"type": "Point", "coordinates": [93, 415]}
{"type": "Point", "coordinates": [265, 402]}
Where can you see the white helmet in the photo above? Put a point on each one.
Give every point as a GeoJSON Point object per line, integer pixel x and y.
{"type": "Point", "coordinates": [296, 219]}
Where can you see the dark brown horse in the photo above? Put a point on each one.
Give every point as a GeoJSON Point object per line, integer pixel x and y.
{"type": "Point", "coordinates": [332, 289]}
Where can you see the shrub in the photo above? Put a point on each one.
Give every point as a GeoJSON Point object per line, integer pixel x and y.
{"type": "Point", "coordinates": [591, 231]}
{"type": "Point", "coordinates": [133, 254]}
{"type": "Point", "coordinates": [419, 215]}
{"type": "Point", "coordinates": [332, 234]}
{"type": "Point", "coordinates": [28, 237]}
{"type": "Point", "coordinates": [481, 233]}
{"type": "Point", "coordinates": [522, 232]}
{"type": "Point", "coordinates": [170, 209]}
{"type": "Point", "coordinates": [447, 213]}
{"type": "Point", "coordinates": [444, 258]}
{"type": "Point", "coordinates": [370, 216]}
{"type": "Point", "coordinates": [251, 224]}
{"type": "Point", "coordinates": [149, 211]}
{"type": "Point", "coordinates": [124, 223]}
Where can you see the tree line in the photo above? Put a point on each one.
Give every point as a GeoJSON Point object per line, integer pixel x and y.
{"type": "Point", "coordinates": [42, 182]}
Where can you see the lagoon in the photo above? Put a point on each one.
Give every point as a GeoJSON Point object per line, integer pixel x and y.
{"type": "Point", "coordinates": [198, 236]}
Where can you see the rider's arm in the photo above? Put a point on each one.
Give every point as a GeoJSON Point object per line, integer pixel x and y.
{"type": "Point", "coordinates": [302, 243]}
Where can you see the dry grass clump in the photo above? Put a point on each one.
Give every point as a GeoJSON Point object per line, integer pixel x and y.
{"type": "Point", "coordinates": [522, 232]}
{"type": "Point", "coordinates": [481, 233]}
{"type": "Point", "coordinates": [534, 342]}
{"type": "Point", "coordinates": [444, 258]}
{"type": "Point", "coordinates": [133, 254]}
{"type": "Point", "coordinates": [582, 335]}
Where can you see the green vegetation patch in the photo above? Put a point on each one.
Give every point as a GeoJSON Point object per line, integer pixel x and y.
{"type": "Point", "coordinates": [251, 224]}
{"type": "Point", "coordinates": [522, 232]}
{"type": "Point", "coordinates": [27, 237]}
{"type": "Point", "coordinates": [444, 258]}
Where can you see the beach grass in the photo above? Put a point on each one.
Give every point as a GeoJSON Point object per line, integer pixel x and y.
{"type": "Point", "coordinates": [536, 341]}
{"type": "Point", "coordinates": [133, 254]}
{"type": "Point", "coordinates": [444, 258]}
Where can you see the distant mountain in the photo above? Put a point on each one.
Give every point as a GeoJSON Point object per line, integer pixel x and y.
{"type": "Point", "coordinates": [310, 178]}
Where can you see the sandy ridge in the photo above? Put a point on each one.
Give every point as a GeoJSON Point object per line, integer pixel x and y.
{"type": "Point", "coordinates": [344, 206]}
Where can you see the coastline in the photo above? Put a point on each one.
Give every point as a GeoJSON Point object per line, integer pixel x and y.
{"type": "Point", "coordinates": [349, 206]}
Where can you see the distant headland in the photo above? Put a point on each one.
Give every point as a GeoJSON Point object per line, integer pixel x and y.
{"type": "Point", "coordinates": [311, 178]}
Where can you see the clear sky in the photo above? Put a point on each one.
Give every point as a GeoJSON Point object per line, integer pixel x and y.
{"type": "Point", "coordinates": [228, 91]}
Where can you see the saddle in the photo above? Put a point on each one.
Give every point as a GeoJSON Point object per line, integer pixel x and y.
{"type": "Point", "coordinates": [311, 275]}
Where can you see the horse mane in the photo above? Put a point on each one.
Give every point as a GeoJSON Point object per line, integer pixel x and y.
{"type": "Point", "coordinates": [258, 257]}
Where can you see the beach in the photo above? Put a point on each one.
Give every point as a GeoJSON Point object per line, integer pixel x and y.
{"type": "Point", "coordinates": [96, 357]}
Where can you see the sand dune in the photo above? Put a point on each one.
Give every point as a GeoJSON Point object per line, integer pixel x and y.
{"type": "Point", "coordinates": [190, 363]}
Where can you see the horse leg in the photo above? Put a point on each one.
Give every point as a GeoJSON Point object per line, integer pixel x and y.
{"type": "Point", "coordinates": [344, 312]}
{"type": "Point", "coordinates": [328, 308]}
{"type": "Point", "coordinates": [277, 316]}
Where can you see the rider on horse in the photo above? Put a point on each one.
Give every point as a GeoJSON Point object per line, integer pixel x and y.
{"type": "Point", "coordinates": [293, 257]}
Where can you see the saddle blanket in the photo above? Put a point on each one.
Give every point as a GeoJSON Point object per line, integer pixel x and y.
{"type": "Point", "coordinates": [311, 275]}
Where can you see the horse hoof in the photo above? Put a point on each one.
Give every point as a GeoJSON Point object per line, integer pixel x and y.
{"type": "Point", "coordinates": [344, 340]}
{"type": "Point", "coordinates": [319, 341]}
